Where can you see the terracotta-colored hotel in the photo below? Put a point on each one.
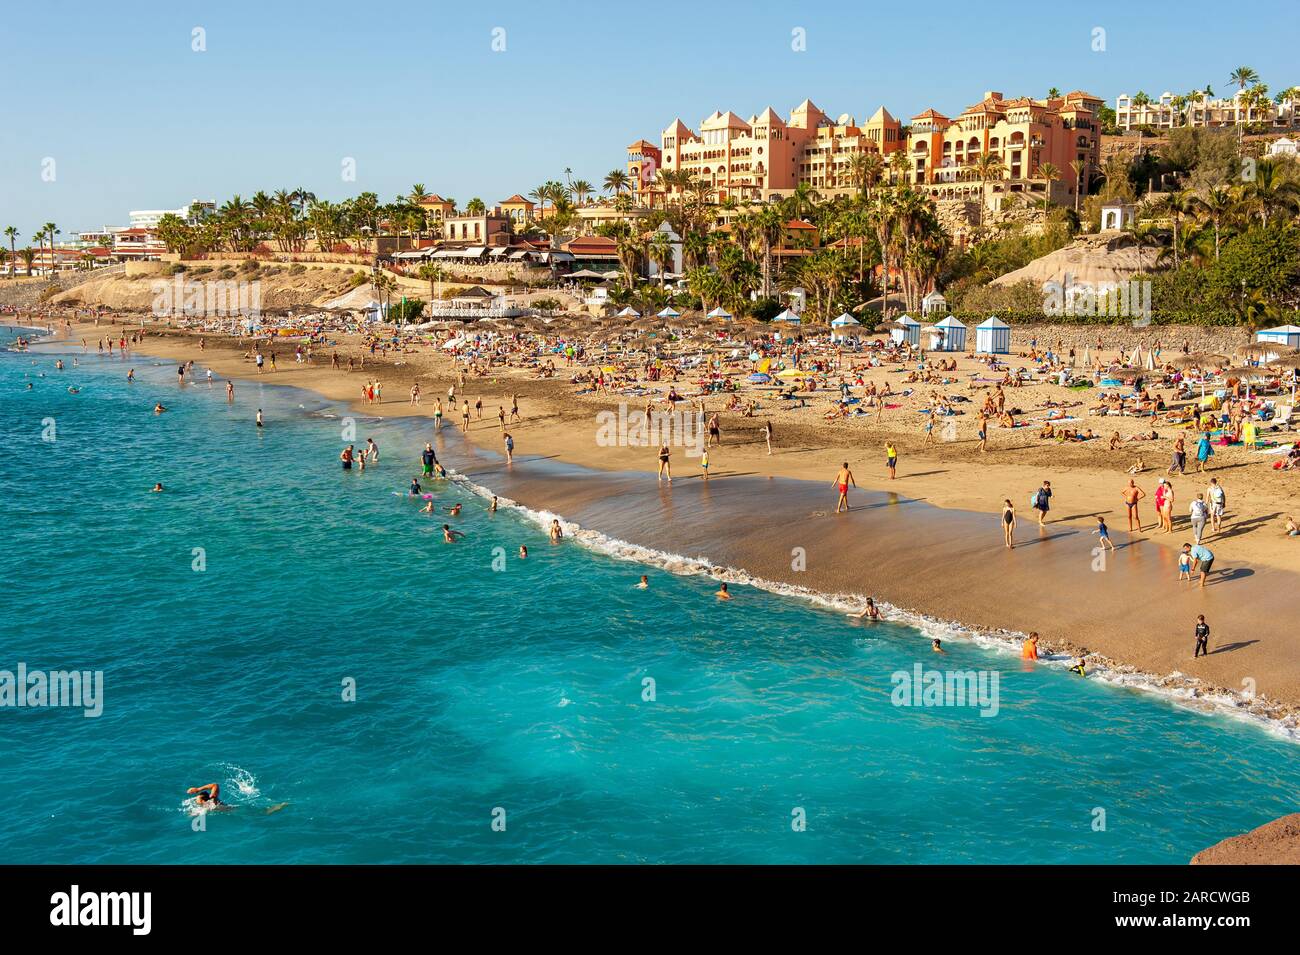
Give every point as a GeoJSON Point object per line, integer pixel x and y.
{"type": "Point", "coordinates": [766, 156]}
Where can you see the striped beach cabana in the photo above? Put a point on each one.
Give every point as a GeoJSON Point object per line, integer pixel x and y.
{"type": "Point", "coordinates": [906, 329]}
{"type": "Point", "coordinates": [993, 337]}
{"type": "Point", "coordinates": [721, 313]}
{"type": "Point", "coordinates": [788, 316]}
{"type": "Point", "coordinates": [948, 335]}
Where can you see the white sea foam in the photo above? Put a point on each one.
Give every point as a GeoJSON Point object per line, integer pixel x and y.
{"type": "Point", "coordinates": [1175, 687]}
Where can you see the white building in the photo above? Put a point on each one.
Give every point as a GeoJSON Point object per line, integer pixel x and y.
{"type": "Point", "coordinates": [192, 213]}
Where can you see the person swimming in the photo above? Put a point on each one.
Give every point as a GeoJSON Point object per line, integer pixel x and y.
{"type": "Point", "coordinates": [557, 532]}
{"type": "Point", "coordinates": [208, 796]}
{"type": "Point", "coordinates": [1080, 667]}
{"type": "Point", "coordinates": [523, 551]}
{"type": "Point", "coordinates": [936, 646]}
{"type": "Point", "coordinates": [722, 592]}
{"type": "Point", "coordinates": [157, 488]}
{"type": "Point", "coordinates": [450, 536]}
{"type": "Point", "coordinates": [644, 583]}
{"type": "Point", "coordinates": [1029, 649]}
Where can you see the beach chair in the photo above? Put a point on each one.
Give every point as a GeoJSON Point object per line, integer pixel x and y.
{"type": "Point", "coordinates": [1282, 417]}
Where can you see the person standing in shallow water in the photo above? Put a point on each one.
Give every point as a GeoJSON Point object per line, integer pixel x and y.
{"type": "Point", "coordinates": [1008, 523]}
{"type": "Point", "coordinates": [841, 483]}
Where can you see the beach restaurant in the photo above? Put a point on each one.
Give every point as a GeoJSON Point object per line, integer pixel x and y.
{"type": "Point", "coordinates": [993, 337]}
{"type": "Point", "coordinates": [947, 335]}
{"type": "Point", "coordinates": [906, 329]}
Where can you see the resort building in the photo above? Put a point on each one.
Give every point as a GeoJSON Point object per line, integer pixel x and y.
{"type": "Point", "coordinates": [1169, 111]}
{"type": "Point", "coordinates": [193, 213]}
{"type": "Point", "coordinates": [492, 228]}
{"type": "Point", "coordinates": [765, 157]}
{"type": "Point", "coordinates": [1022, 134]}
{"type": "Point", "coordinates": [643, 163]}
{"type": "Point", "coordinates": [519, 209]}
{"type": "Point", "coordinates": [437, 207]}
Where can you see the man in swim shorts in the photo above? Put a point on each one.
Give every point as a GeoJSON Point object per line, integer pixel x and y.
{"type": "Point", "coordinates": [841, 483]}
{"type": "Point", "coordinates": [430, 458]}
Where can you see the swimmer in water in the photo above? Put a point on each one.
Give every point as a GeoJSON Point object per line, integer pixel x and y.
{"type": "Point", "coordinates": [493, 508]}
{"type": "Point", "coordinates": [450, 536]}
{"type": "Point", "coordinates": [936, 646]}
{"type": "Point", "coordinates": [1029, 649]}
{"type": "Point", "coordinates": [454, 510]}
{"type": "Point", "coordinates": [259, 417]}
{"type": "Point", "coordinates": [73, 390]}
{"type": "Point", "coordinates": [130, 375]}
{"type": "Point", "coordinates": [523, 551]}
{"type": "Point", "coordinates": [209, 796]}
{"type": "Point", "coordinates": [428, 508]}
{"type": "Point", "coordinates": [157, 488]}
{"type": "Point", "coordinates": [722, 593]}
{"type": "Point", "coordinates": [1080, 667]}
{"type": "Point", "coordinates": [644, 584]}
{"type": "Point", "coordinates": [870, 611]}
{"type": "Point", "coordinates": [557, 532]}
{"type": "Point", "coordinates": [158, 408]}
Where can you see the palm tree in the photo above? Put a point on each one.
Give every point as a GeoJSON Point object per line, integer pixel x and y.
{"type": "Point", "coordinates": [1243, 76]}
{"type": "Point", "coordinates": [1218, 204]}
{"type": "Point", "coordinates": [417, 193]}
{"type": "Point", "coordinates": [1271, 190]}
{"type": "Point", "coordinates": [988, 168]}
{"type": "Point", "coordinates": [431, 273]}
{"type": "Point", "coordinates": [1049, 174]}
{"type": "Point", "coordinates": [631, 250]}
{"type": "Point", "coordinates": [661, 253]}
{"type": "Point", "coordinates": [581, 189]}
{"type": "Point", "coordinates": [1053, 93]}
{"type": "Point", "coordinates": [12, 233]}
{"type": "Point", "coordinates": [1174, 205]}
{"type": "Point", "coordinates": [865, 170]}
{"type": "Point", "coordinates": [475, 207]}
{"type": "Point", "coordinates": [617, 180]}
{"type": "Point", "coordinates": [884, 219]}
{"type": "Point", "coordinates": [28, 255]}
{"type": "Point", "coordinates": [1078, 167]}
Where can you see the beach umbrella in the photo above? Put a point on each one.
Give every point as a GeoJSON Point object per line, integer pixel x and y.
{"type": "Point", "coordinates": [792, 373]}
{"type": "Point", "coordinates": [721, 313]}
{"type": "Point", "coordinates": [1263, 349]}
{"type": "Point", "coordinates": [788, 316]}
{"type": "Point", "coordinates": [759, 378]}
{"type": "Point", "coordinates": [629, 312]}
{"type": "Point", "coordinates": [1211, 360]}
{"type": "Point", "coordinates": [670, 312]}
{"type": "Point", "coordinates": [844, 320]}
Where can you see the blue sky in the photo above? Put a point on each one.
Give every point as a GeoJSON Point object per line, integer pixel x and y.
{"type": "Point", "coordinates": [134, 118]}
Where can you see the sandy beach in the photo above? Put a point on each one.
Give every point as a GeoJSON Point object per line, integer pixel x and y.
{"type": "Point", "coordinates": [928, 542]}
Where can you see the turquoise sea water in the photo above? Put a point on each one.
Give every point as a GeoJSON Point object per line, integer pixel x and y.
{"type": "Point", "coordinates": [518, 688]}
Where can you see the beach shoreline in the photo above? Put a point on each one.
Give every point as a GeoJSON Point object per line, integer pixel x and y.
{"type": "Point", "coordinates": [1137, 659]}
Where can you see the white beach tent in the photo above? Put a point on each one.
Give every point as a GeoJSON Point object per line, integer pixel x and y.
{"type": "Point", "coordinates": [787, 316]}
{"type": "Point", "coordinates": [993, 337]}
{"type": "Point", "coordinates": [948, 335]}
{"type": "Point", "coordinates": [669, 312]}
{"type": "Point", "coordinates": [721, 313]}
{"type": "Point", "coordinates": [906, 329]}
{"type": "Point", "coordinates": [629, 312]}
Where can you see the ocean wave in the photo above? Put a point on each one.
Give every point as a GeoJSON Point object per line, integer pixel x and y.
{"type": "Point", "coordinates": [1176, 687]}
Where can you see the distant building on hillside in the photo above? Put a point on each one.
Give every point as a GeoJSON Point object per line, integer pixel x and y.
{"type": "Point", "coordinates": [765, 157]}
{"type": "Point", "coordinates": [1169, 111]}
{"type": "Point", "coordinates": [193, 213]}
{"type": "Point", "coordinates": [1023, 135]}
